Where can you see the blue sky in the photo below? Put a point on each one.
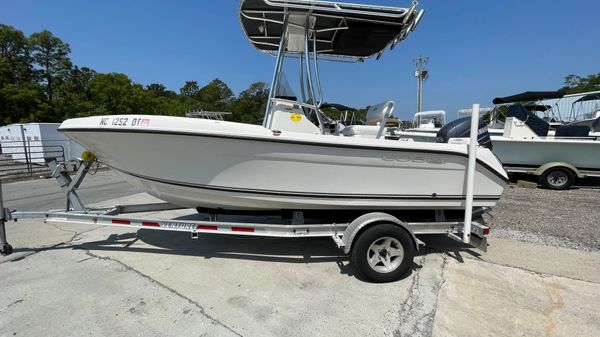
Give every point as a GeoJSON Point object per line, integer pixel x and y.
{"type": "Point", "coordinates": [478, 49]}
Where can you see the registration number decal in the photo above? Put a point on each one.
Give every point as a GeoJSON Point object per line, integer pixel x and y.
{"type": "Point", "coordinates": [125, 121]}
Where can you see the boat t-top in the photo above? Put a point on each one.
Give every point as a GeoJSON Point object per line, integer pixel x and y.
{"type": "Point", "coordinates": [293, 161]}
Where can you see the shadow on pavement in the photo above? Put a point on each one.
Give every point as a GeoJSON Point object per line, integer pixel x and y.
{"type": "Point", "coordinates": [279, 250]}
{"type": "Point", "coordinates": [449, 247]}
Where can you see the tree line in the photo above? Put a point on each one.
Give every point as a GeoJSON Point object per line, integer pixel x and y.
{"type": "Point", "coordinates": [40, 83]}
{"type": "Point", "coordinates": [576, 84]}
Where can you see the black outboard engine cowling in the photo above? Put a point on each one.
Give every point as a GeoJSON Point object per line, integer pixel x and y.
{"type": "Point", "coordinates": [461, 128]}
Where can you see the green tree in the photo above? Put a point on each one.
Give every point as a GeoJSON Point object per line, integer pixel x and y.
{"type": "Point", "coordinates": [79, 79]}
{"type": "Point", "coordinates": [51, 57]}
{"type": "Point", "coordinates": [21, 98]}
{"type": "Point", "coordinates": [14, 53]}
{"type": "Point", "coordinates": [38, 82]}
{"type": "Point", "coordinates": [160, 90]}
{"type": "Point", "coordinates": [215, 96]}
{"type": "Point", "coordinates": [575, 84]}
{"type": "Point", "coordinates": [74, 100]}
{"type": "Point", "coordinates": [116, 94]}
{"type": "Point", "coordinates": [250, 105]}
{"type": "Point", "coordinates": [112, 94]}
{"type": "Point", "coordinates": [189, 89]}
{"type": "Point", "coordinates": [164, 105]}
{"type": "Point", "coordinates": [22, 103]}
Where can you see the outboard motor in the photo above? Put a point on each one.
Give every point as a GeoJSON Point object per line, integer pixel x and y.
{"type": "Point", "coordinates": [461, 128]}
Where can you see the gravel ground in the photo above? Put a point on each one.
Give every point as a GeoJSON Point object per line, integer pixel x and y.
{"type": "Point", "coordinates": [569, 219]}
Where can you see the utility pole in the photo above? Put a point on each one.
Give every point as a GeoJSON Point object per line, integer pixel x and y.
{"type": "Point", "coordinates": [421, 74]}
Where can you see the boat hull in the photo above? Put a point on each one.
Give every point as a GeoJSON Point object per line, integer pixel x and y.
{"type": "Point", "coordinates": [260, 170]}
{"type": "Point", "coordinates": [581, 153]}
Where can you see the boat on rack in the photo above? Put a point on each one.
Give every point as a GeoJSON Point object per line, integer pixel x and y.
{"type": "Point", "coordinates": [292, 161]}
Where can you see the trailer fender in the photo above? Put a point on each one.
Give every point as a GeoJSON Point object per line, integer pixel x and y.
{"type": "Point", "coordinates": [540, 170]}
{"type": "Point", "coordinates": [369, 219]}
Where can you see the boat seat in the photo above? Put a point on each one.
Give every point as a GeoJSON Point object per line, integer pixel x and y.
{"type": "Point", "coordinates": [537, 124]}
{"type": "Point", "coordinates": [364, 131]}
{"type": "Point", "coordinates": [377, 117]}
{"type": "Point", "coordinates": [572, 131]}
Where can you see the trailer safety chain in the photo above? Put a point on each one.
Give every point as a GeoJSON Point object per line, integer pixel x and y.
{"type": "Point", "coordinates": [94, 168]}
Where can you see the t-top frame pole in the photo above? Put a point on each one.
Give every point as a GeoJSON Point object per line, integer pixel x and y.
{"type": "Point", "coordinates": [277, 73]}
{"type": "Point", "coordinates": [311, 86]}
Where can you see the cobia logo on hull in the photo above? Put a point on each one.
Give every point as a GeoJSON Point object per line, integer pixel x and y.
{"type": "Point", "coordinates": [414, 159]}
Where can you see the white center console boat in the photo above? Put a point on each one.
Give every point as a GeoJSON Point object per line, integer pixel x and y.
{"type": "Point", "coordinates": [290, 162]}
{"type": "Point", "coordinates": [376, 194]}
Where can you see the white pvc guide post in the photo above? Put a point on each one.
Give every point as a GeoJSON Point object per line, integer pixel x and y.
{"type": "Point", "coordinates": [471, 173]}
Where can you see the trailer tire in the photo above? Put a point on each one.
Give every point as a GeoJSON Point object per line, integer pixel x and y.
{"type": "Point", "coordinates": [557, 178]}
{"type": "Point", "coordinates": [6, 249]}
{"type": "Point", "coordinates": [383, 253]}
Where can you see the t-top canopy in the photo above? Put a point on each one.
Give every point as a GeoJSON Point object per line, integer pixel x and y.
{"type": "Point", "coordinates": [342, 29]}
{"type": "Point", "coordinates": [528, 96]}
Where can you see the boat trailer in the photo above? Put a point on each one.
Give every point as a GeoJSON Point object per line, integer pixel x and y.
{"type": "Point", "coordinates": [346, 235]}
{"type": "Point", "coordinates": [381, 245]}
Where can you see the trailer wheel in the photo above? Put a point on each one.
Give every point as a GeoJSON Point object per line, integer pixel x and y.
{"type": "Point", "coordinates": [6, 249]}
{"type": "Point", "coordinates": [558, 178]}
{"type": "Point", "coordinates": [383, 253]}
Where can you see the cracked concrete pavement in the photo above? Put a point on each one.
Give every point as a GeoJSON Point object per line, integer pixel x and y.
{"type": "Point", "coordinates": [414, 316]}
{"type": "Point", "coordinates": [66, 279]}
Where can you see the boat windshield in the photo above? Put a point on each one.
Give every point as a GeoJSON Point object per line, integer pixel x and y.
{"type": "Point", "coordinates": [284, 89]}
